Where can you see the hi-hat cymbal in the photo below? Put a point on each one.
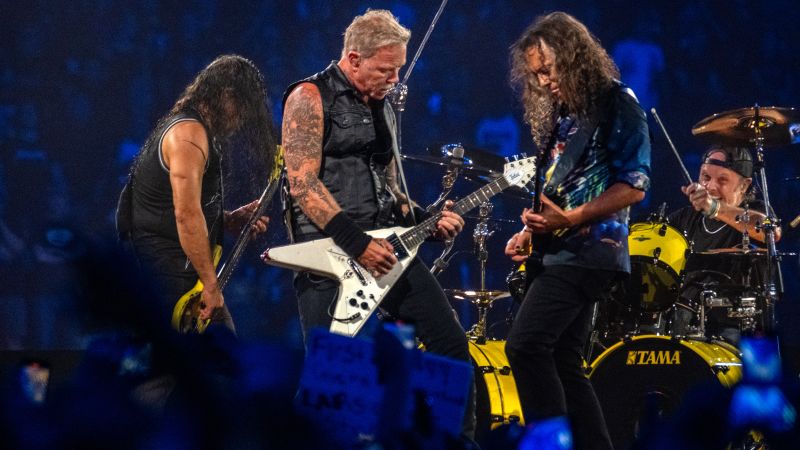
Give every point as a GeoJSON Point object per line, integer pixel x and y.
{"type": "Point", "coordinates": [779, 126]}
{"type": "Point", "coordinates": [479, 297]}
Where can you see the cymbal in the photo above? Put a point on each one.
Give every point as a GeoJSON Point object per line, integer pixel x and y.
{"type": "Point", "coordinates": [490, 219]}
{"type": "Point", "coordinates": [478, 156]}
{"type": "Point", "coordinates": [479, 297]}
{"type": "Point", "coordinates": [441, 161]}
{"type": "Point", "coordinates": [779, 126]}
{"type": "Point", "coordinates": [736, 252]}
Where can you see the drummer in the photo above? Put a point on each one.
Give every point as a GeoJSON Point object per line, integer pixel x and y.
{"type": "Point", "coordinates": [715, 220]}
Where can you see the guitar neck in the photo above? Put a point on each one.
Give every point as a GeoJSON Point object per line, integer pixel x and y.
{"type": "Point", "coordinates": [245, 234]}
{"type": "Point", "coordinates": [415, 236]}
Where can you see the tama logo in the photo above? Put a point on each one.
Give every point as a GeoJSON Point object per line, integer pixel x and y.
{"type": "Point", "coordinates": [653, 357]}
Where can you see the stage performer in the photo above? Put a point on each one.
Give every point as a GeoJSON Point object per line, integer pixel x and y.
{"type": "Point", "coordinates": [339, 138]}
{"type": "Point", "coordinates": [171, 210]}
{"type": "Point", "coordinates": [596, 163]}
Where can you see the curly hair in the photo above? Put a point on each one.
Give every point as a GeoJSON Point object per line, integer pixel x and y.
{"type": "Point", "coordinates": [586, 72]}
{"type": "Point", "coordinates": [230, 96]}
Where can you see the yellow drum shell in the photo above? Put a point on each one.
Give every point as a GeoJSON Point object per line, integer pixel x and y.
{"type": "Point", "coordinates": [494, 379]}
{"type": "Point", "coordinates": [659, 242]}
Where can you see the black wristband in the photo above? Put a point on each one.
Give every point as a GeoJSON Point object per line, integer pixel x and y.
{"type": "Point", "coordinates": [347, 235]}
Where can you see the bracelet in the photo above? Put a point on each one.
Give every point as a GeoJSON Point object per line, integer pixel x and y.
{"type": "Point", "coordinates": [347, 235]}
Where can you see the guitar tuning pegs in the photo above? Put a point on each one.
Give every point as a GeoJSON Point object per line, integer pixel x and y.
{"type": "Point", "coordinates": [524, 155]}
{"type": "Point", "coordinates": [506, 158]}
{"type": "Point", "coordinates": [515, 157]}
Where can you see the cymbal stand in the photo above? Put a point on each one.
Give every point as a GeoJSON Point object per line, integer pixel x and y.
{"type": "Point", "coordinates": [481, 233]}
{"type": "Point", "coordinates": [441, 263]}
{"type": "Point", "coordinates": [744, 218]}
{"type": "Point", "coordinates": [773, 290]}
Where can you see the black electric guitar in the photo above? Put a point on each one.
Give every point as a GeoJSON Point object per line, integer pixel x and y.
{"type": "Point", "coordinates": [521, 277]}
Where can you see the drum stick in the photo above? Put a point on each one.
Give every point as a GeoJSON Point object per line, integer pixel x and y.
{"type": "Point", "coordinates": [672, 146]}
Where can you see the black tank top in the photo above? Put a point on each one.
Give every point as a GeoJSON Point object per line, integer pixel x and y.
{"type": "Point", "coordinates": [149, 210]}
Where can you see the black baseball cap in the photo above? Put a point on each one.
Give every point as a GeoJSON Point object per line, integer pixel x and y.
{"type": "Point", "coordinates": [738, 159]}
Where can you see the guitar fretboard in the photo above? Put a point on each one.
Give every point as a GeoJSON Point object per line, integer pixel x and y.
{"type": "Point", "coordinates": [415, 236]}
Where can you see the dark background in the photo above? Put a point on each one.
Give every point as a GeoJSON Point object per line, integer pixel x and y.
{"type": "Point", "coordinates": [82, 84]}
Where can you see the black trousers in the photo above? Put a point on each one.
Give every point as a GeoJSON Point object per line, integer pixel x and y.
{"type": "Point", "coordinates": [545, 351]}
{"type": "Point", "coordinates": [165, 262]}
{"type": "Point", "coordinates": [417, 298]}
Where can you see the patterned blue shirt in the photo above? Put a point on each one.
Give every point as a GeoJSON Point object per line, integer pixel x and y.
{"type": "Point", "coordinates": [617, 152]}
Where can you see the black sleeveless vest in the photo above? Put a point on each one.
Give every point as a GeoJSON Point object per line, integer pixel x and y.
{"type": "Point", "coordinates": [145, 206]}
{"type": "Point", "coordinates": [356, 149]}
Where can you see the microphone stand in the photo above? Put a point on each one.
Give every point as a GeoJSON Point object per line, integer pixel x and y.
{"type": "Point", "coordinates": [397, 97]}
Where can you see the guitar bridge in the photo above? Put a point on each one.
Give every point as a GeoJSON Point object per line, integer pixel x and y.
{"type": "Point", "coordinates": [357, 271]}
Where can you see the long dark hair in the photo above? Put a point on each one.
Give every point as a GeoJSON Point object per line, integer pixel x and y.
{"type": "Point", "coordinates": [230, 96]}
{"type": "Point", "coordinates": [586, 72]}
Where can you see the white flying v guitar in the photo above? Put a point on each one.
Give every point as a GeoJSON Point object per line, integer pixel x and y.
{"type": "Point", "coordinates": [360, 293]}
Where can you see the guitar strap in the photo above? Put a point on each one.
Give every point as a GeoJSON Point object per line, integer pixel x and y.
{"type": "Point", "coordinates": [577, 143]}
{"type": "Point", "coordinates": [569, 158]}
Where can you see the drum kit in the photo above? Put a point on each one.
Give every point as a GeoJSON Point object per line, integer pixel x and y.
{"type": "Point", "coordinates": [652, 337]}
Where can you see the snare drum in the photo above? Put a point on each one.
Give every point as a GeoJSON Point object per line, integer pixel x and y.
{"type": "Point", "coordinates": [658, 257]}
{"type": "Point", "coordinates": [658, 368]}
{"type": "Point", "coordinates": [497, 401]}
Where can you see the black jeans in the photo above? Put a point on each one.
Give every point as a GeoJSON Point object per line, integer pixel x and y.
{"type": "Point", "coordinates": [417, 298]}
{"type": "Point", "coordinates": [166, 263]}
{"type": "Point", "coordinates": [545, 351]}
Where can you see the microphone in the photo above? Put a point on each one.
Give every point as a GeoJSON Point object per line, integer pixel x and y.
{"type": "Point", "coordinates": [455, 152]}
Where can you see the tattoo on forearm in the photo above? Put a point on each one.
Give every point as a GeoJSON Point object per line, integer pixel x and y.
{"type": "Point", "coordinates": [302, 143]}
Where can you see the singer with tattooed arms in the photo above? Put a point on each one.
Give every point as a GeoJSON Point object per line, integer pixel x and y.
{"type": "Point", "coordinates": [339, 137]}
{"type": "Point", "coordinates": [596, 163]}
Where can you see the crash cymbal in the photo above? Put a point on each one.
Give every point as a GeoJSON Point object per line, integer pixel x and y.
{"type": "Point", "coordinates": [468, 167]}
{"type": "Point", "coordinates": [779, 126]}
{"type": "Point", "coordinates": [478, 297]}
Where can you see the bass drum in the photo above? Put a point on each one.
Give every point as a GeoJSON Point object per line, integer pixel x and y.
{"type": "Point", "coordinates": [658, 257]}
{"type": "Point", "coordinates": [659, 370]}
{"type": "Point", "coordinates": [497, 401]}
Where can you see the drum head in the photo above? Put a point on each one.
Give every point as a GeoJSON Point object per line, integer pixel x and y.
{"type": "Point", "coordinates": [649, 375]}
{"type": "Point", "coordinates": [654, 287]}
{"type": "Point", "coordinates": [658, 256]}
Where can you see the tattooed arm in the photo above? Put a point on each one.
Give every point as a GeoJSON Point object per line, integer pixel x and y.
{"type": "Point", "coordinates": [303, 130]}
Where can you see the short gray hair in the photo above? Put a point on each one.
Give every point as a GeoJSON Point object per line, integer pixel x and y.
{"type": "Point", "coordinates": [374, 29]}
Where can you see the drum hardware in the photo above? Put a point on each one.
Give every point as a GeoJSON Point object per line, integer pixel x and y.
{"type": "Point", "coordinates": [482, 299]}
